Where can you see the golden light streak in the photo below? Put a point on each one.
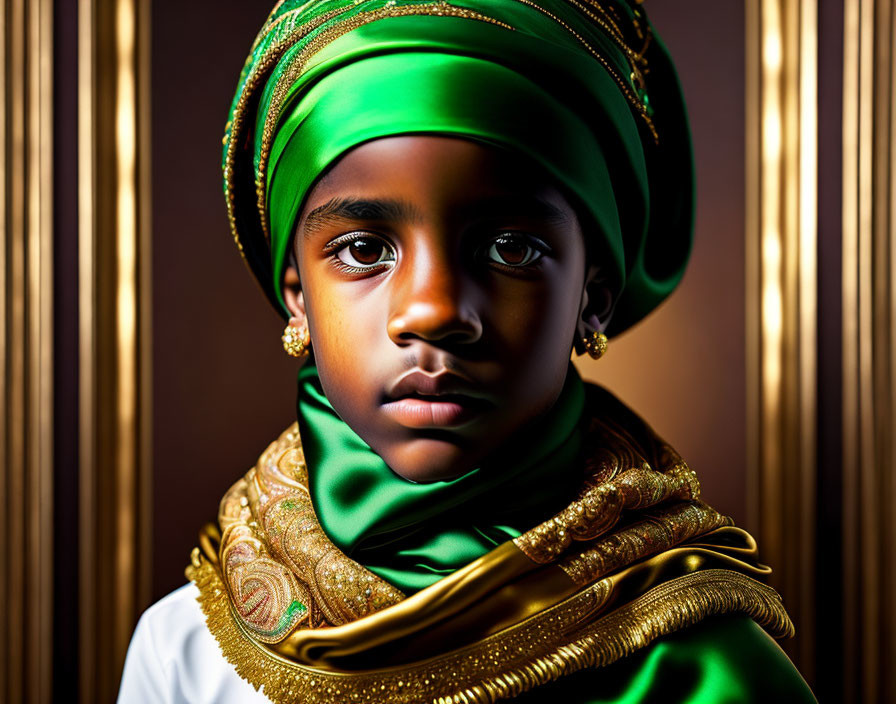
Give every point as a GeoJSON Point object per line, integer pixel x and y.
{"type": "Point", "coordinates": [144, 276]}
{"type": "Point", "coordinates": [752, 266]}
{"type": "Point", "coordinates": [114, 345]}
{"type": "Point", "coordinates": [850, 331]}
{"type": "Point", "coordinates": [15, 280]}
{"type": "Point", "coordinates": [772, 165]}
{"type": "Point", "coordinates": [889, 488]}
{"type": "Point", "coordinates": [126, 323]}
{"type": "Point", "coordinates": [113, 53]}
{"type": "Point", "coordinates": [869, 83]}
{"type": "Point", "coordinates": [781, 290]}
{"type": "Point", "coordinates": [39, 496]}
{"type": "Point", "coordinates": [772, 313]}
{"type": "Point", "coordinates": [866, 459]}
{"type": "Point", "coordinates": [808, 317]}
{"type": "Point", "coordinates": [87, 352]}
{"type": "Point", "coordinates": [5, 405]}
{"type": "Point", "coordinates": [26, 419]}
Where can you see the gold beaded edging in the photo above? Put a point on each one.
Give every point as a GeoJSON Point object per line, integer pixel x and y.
{"type": "Point", "coordinates": [672, 606]}
{"type": "Point", "coordinates": [253, 81]}
{"type": "Point", "coordinates": [297, 66]}
{"type": "Point", "coordinates": [664, 529]}
{"type": "Point", "coordinates": [600, 507]}
{"type": "Point", "coordinates": [623, 85]}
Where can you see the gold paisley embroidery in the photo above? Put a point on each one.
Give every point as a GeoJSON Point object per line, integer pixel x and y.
{"type": "Point", "coordinates": [282, 571]}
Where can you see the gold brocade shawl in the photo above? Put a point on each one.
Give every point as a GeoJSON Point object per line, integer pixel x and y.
{"type": "Point", "coordinates": [636, 555]}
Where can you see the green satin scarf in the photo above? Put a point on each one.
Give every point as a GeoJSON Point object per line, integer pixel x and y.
{"type": "Point", "coordinates": [412, 534]}
{"type": "Point", "coordinates": [723, 660]}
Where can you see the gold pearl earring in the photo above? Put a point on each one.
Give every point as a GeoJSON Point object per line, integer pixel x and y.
{"type": "Point", "coordinates": [296, 341]}
{"type": "Point", "coordinates": [596, 344]}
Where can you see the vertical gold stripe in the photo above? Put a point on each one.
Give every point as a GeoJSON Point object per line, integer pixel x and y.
{"type": "Point", "coordinates": [115, 344]}
{"type": "Point", "coordinates": [850, 272]}
{"type": "Point", "coordinates": [808, 328]}
{"type": "Point", "coordinates": [87, 460]}
{"type": "Point", "coordinates": [126, 467]}
{"type": "Point", "coordinates": [881, 370]}
{"type": "Point", "coordinates": [781, 275]}
{"type": "Point", "coordinates": [27, 364]}
{"type": "Point", "coordinates": [40, 363]}
{"type": "Point", "coordinates": [5, 397]}
{"type": "Point", "coordinates": [866, 412]}
{"type": "Point", "coordinates": [144, 278]}
{"type": "Point", "coordinates": [752, 232]}
{"type": "Point", "coordinates": [771, 265]}
{"type": "Point", "coordinates": [869, 387]}
{"type": "Point", "coordinates": [15, 277]}
{"type": "Point", "coordinates": [888, 490]}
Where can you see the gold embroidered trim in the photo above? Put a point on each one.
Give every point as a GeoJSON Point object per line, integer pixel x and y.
{"type": "Point", "coordinates": [621, 82]}
{"type": "Point", "coordinates": [619, 478]}
{"type": "Point", "coordinates": [508, 663]}
{"type": "Point", "coordinates": [442, 644]}
{"type": "Point", "coordinates": [297, 66]}
{"type": "Point", "coordinates": [281, 569]}
{"type": "Point", "coordinates": [283, 573]}
{"type": "Point", "coordinates": [259, 73]}
{"type": "Point", "coordinates": [666, 528]}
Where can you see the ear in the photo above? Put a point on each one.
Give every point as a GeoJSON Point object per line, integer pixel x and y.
{"type": "Point", "coordinates": [293, 297]}
{"type": "Point", "coordinates": [595, 308]}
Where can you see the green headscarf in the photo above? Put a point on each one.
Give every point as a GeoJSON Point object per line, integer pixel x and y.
{"type": "Point", "coordinates": [581, 87]}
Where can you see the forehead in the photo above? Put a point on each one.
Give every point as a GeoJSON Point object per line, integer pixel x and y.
{"type": "Point", "coordinates": [432, 168]}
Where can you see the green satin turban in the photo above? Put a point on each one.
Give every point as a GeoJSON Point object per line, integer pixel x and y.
{"type": "Point", "coordinates": [582, 88]}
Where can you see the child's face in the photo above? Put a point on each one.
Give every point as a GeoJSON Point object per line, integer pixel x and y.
{"type": "Point", "coordinates": [443, 286]}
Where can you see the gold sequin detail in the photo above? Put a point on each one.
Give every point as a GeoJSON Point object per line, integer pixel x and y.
{"type": "Point", "coordinates": [621, 479]}
{"type": "Point", "coordinates": [281, 568]}
{"type": "Point", "coordinates": [562, 640]}
{"type": "Point", "coordinates": [666, 528]}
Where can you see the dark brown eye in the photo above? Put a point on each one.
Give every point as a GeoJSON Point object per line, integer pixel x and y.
{"type": "Point", "coordinates": [365, 252]}
{"type": "Point", "coordinates": [513, 250]}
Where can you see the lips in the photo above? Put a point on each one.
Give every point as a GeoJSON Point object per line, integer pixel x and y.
{"type": "Point", "coordinates": [442, 400]}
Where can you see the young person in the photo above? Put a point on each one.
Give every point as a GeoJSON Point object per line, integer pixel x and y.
{"type": "Point", "coordinates": [446, 199]}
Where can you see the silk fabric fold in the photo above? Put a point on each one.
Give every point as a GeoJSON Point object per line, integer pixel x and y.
{"type": "Point", "coordinates": [411, 534]}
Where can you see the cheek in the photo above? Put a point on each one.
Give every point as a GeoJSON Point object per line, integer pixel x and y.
{"type": "Point", "coordinates": [538, 321]}
{"type": "Point", "coordinates": [346, 332]}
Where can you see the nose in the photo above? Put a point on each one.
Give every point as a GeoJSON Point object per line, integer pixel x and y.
{"type": "Point", "coordinates": [429, 304]}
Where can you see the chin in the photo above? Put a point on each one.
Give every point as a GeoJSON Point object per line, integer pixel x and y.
{"type": "Point", "coordinates": [426, 460]}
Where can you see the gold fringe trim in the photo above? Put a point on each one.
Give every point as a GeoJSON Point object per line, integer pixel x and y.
{"type": "Point", "coordinates": [490, 670]}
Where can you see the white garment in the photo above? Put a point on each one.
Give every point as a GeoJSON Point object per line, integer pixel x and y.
{"type": "Point", "coordinates": [174, 659]}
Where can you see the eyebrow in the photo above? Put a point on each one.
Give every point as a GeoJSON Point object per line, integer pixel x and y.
{"type": "Point", "coordinates": [360, 209]}
{"type": "Point", "coordinates": [366, 210]}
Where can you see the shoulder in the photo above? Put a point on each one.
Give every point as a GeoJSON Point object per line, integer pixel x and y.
{"type": "Point", "coordinates": [725, 654]}
{"type": "Point", "coordinates": [173, 658]}
{"type": "Point", "coordinates": [723, 660]}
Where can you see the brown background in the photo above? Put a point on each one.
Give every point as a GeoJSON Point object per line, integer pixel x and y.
{"type": "Point", "coordinates": [223, 387]}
